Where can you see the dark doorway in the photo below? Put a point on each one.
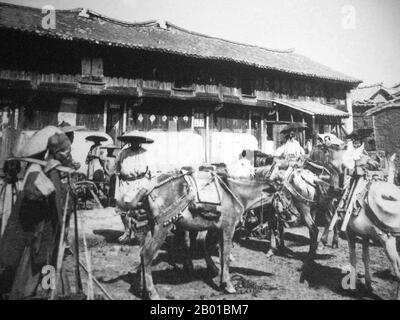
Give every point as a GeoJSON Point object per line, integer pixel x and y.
{"type": "Point", "coordinates": [114, 126]}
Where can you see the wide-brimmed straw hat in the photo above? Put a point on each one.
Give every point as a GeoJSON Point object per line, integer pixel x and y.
{"type": "Point", "coordinates": [96, 138]}
{"type": "Point", "coordinates": [38, 142]}
{"type": "Point", "coordinates": [66, 127]}
{"type": "Point", "coordinates": [134, 137]}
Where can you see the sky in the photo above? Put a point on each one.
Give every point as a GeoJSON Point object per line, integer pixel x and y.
{"type": "Point", "coordinates": [360, 38]}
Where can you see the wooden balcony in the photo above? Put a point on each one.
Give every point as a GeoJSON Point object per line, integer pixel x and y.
{"type": "Point", "coordinates": [76, 84]}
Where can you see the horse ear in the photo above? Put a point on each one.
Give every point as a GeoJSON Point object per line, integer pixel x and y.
{"type": "Point", "coordinates": [392, 157]}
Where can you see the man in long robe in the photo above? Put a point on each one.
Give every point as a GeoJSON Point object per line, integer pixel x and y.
{"type": "Point", "coordinates": [291, 150]}
{"type": "Point", "coordinates": [31, 238]}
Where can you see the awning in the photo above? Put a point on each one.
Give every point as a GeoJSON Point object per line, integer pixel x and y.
{"type": "Point", "coordinates": [312, 108]}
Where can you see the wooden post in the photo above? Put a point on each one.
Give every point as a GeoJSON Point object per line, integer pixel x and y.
{"type": "Point", "coordinates": [105, 116]}
{"type": "Point", "coordinates": [262, 135]}
{"type": "Point", "coordinates": [192, 122]}
{"type": "Point", "coordinates": [124, 119]}
{"type": "Point", "coordinates": [249, 124]}
{"type": "Point", "coordinates": [375, 132]}
{"type": "Point", "coordinates": [207, 140]}
{"type": "Point", "coordinates": [313, 129]}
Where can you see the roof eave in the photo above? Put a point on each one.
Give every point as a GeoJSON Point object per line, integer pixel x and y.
{"type": "Point", "coordinates": [54, 35]}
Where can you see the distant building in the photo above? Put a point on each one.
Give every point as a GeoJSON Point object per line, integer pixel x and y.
{"type": "Point", "coordinates": [385, 122]}
{"type": "Point", "coordinates": [366, 98]}
{"type": "Point", "coordinates": [200, 98]}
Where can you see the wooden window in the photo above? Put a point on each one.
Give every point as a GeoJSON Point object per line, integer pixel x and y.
{"type": "Point", "coordinates": [184, 78]}
{"type": "Point", "coordinates": [247, 87]}
{"type": "Point", "coordinates": [92, 69]}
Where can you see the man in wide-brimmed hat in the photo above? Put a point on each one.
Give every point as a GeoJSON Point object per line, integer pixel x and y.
{"type": "Point", "coordinates": [291, 150]}
{"type": "Point", "coordinates": [131, 168]}
{"type": "Point", "coordinates": [94, 160]}
{"type": "Point", "coordinates": [32, 234]}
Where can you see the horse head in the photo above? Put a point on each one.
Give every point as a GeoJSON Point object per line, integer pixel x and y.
{"type": "Point", "coordinates": [346, 158]}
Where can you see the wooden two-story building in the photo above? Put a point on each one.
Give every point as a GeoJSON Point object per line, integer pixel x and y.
{"type": "Point", "coordinates": [201, 98]}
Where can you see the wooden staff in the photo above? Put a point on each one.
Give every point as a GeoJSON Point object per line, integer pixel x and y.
{"type": "Point", "coordinates": [61, 247]}
{"type": "Point", "coordinates": [342, 204]}
{"type": "Point", "coordinates": [349, 208]}
{"type": "Point", "coordinates": [90, 292]}
{"type": "Point", "coordinates": [96, 282]}
{"type": "Point", "coordinates": [78, 279]}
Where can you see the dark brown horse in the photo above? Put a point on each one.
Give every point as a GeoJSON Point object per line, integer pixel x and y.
{"type": "Point", "coordinates": [170, 202]}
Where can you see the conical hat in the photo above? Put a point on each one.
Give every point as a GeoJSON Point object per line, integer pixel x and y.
{"type": "Point", "coordinates": [38, 142]}
{"type": "Point", "coordinates": [134, 137]}
{"type": "Point", "coordinates": [96, 138]}
{"type": "Point", "coordinates": [66, 127]}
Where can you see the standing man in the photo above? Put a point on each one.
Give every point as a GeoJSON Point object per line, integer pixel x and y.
{"type": "Point", "coordinates": [133, 178]}
{"type": "Point", "coordinates": [94, 158]}
{"type": "Point", "coordinates": [32, 235]}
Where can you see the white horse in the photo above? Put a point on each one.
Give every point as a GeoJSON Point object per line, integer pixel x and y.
{"type": "Point", "coordinates": [361, 225]}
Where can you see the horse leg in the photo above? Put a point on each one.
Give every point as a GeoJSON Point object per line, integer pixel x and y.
{"type": "Point", "coordinates": [189, 243]}
{"type": "Point", "coordinates": [127, 228]}
{"type": "Point", "coordinates": [335, 239]}
{"type": "Point", "coordinates": [313, 231]}
{"type": "Point", "coordinates": [391, 251]}
{"type": "Point", "coordinates": [225, 252]}
{"type": "Point", "coordinates": [281, 241]}
{"type": "Point", "coordinates": [325, 236]}
{"type": "Point", "coordinates": [207, 240]}
{"type": "Point", "coordinates": [365, 256]}
{"type": "Point", "coordinates": [148, 253]}
{"type": "Point", "coordinates": [277, 243]}
{"type": "Point", "coordinates": [351, 239]}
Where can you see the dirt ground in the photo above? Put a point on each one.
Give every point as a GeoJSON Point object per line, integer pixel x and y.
{"type": "Point", "coordinates": [254, 275]}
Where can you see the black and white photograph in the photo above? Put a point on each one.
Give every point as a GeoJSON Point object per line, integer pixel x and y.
{"type": "Point", "coordinates": [218, 151]}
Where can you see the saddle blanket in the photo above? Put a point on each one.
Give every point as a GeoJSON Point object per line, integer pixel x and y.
{"type": "Point", "coordinates": [205, 186]}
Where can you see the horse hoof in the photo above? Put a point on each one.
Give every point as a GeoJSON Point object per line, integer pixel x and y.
{"type": "Point", "coordinates": [188, 269]}
{"type": "Point", "coordinates": [368, 288]}
{"type": "Point", "coordinates": [335, 245]}
{"type": "Point", "coordinates": [231, 258]}
{"type": "Point", "coordinates": [270, 253]}
{"type": "Point", "coordinates": [228, 288]}
{"type": "Point", "coordinates": [125, 238]}
{"type": "Point", "coordinates": [154, 296]}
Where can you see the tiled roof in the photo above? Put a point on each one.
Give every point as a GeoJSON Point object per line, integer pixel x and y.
{"type": "Point", "coordinates": [367, 93]}
{"type": "Point", "coordinates": [313, 108]}
{"type": "Point", "coordinates": [395, 103]}
{"type": "Point", "coordinates": [86, 25]}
